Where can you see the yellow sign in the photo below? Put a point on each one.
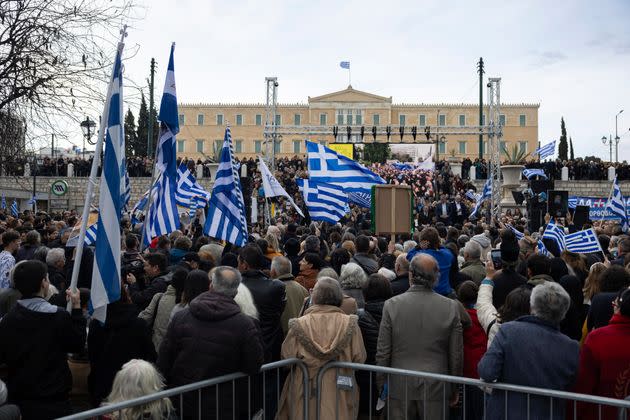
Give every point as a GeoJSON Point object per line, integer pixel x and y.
{"type": "Point", "coordinates": [343, 149]}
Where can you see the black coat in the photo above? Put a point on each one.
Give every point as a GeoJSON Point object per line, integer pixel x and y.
{"type": "Point", "coordinates": [400, 284]}
{"type": "Point", "coordinates": [270, 299]}
{"type": "Point", "coordinates": [142, 296]}
{"type": "Point", "coordinates": [504, 283]}
{"type": "Point", "coordinates": [123, 337]}
{"type": "Point", "coordinates": [208, 339]}
{"type": "Point", "coordinates": [57, 278]}
{"type": "Point", "coordinates": [369, 323]}
{"type": "Point", "coordinates": [35, 347]}
{"type": "Point", "coordinates": [601, 310]}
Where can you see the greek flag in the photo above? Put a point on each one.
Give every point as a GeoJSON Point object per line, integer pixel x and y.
{"type": "Point", "coordinates": [325, 202]}
{"type": "Point", "coordinates": [573, 202]}
{"type": "Point", "coordinates": [142, 203]}
{"type": "Point", "coordinates": [272, 187]}
{"type": "Point", "coordinates": [583, 242]}
{"type": "Point", "coordinates": [106, 271]}
{"type": "Point", "coordinates": [327, 166]}
{"type": "Point", "coordinates": [3, 205]}
{"type": "Point", "coordinates": [519, 235]}
{"type": "Point", "coordinates": [189, 193]}
{"type": "Point", "coordinates": [360, 199]}
{"type": "Point", "coordinates": [345, 65]}
{"type": "Point", "coordinates": [226, 216]}
{"type": "Point", "coordinates": [485, 194]}
{"type": "Point", "coordinates": [555, 233]}
{"type": "Point", "coordinates": [542, 249]}
{"type": "Point", "coordinates": [530, 173]}
{"type": "Point", "coordinates": [31, 200]}
{"type": "Point", "coordinates": [546, 150]}
{"type": "Point", "coordinates": [472, 195]}
{"type": "Point", "coordinates": [162, 218]}
{"type": "Point", "coordinates": [90, 235]}
{"type": "Point", "coordinates": [127, 192]}
{"type": "Point", "coordinates": [617, 205]}
{"type": "Point", "coordinates": [14, 209]}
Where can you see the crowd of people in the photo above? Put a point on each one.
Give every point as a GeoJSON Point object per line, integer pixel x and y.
{"type": "Point", "coordinates": [436, 300]}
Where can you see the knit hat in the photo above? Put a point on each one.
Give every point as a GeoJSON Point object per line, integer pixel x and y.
{"type": "Point", "coordinates": [509, 247]}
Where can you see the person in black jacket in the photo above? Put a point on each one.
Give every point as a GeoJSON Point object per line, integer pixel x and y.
{"type": "Point", "coordinates": [401, 283]}
{"type": "Point", "coordinates": [156, 276]}
{"type": "Point", "coordinates": [210, 338]}
{"type": "Point", "coordinates": [122, 338]}
{"type": "Point", "coordinates": [35, 339]}
{"type": "Point", "coordinates": [508, 279]}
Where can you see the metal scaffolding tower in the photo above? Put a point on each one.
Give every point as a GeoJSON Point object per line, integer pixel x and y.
{"type": "Point", "coordinates": [495, 134]}
{"type": "Point", "coordinates": [271, 129]}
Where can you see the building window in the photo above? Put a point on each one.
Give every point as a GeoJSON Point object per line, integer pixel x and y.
{"type": "Point", "coordinates": [218, 145]}
{"type": "Point", "coordinates": [219, 119]}
{"type": "Point", "coordinates": [483, 119]}
{"type": "Point", "coordinates": [359, 118]}
{"type": "Point", "coordinates": [422, 120]}
{"type": "Point", "coordinates": [258, 119]}
{"type": "Point", "coordinates": [257, 146]}
{"type": "Point", "coordinates": [297, 119]}
{"type": "Point", "coordinates": [462, 120]}
{"type": "Point", "coordinates": [238, 146]}
{"type": "Point", "coordinates": [339, 117]}
{"type": "Point", "coordinates": [462, 147]}
{"type": "Point", "coordinates": [180, 146]}
{"type": "Point", "coordinates": [239, 119]}
{"type": "Point", "coordinates": [522, 146]}
{"type": "Point", "coordinates": [503, 146]}
{"type": "Point", "coordinates": [199, 146]}
{"type": "Point", "coordinates": [182, 119]}
{"type": "Point", "coordinates": [297, 146]}
{"type": "Point", "coordinates": [442, 147]}
{"type": "Point", "coordinates": [442, 120]}
{"type": "Point", "coordinates": [278, 119]}
{"type": "Point", "coordinates": [376, 119]}
{"type": "Point", "coordinates": [349, 117]}
{"type": "Point", "coordinates": [401, 119]}
{"type": "Point", "coordinates": [199, 119]}
{"type": "Point", "coordinates": [521, 120]}
{"type": "Point", "coordinates": [322, 119]}
{"type": "Point", "coordinates": [276, 146]}
{"type": "Point", "coordinates": [502, 120]}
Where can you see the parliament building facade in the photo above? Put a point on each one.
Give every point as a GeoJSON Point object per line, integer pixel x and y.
{"type": "Point", "coordinates": [202, 126]}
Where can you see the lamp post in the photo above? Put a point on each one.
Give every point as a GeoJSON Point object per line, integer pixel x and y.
{"type": "Point", "coordinates": [617, 138]}
{"type": "Point", "coordinates": [87, 127]}
{"type": "Point", "coordinates": [609, 141]}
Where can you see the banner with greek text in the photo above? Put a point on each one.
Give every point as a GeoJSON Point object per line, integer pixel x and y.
{"type": "Point", "coordinates": [597, 206]}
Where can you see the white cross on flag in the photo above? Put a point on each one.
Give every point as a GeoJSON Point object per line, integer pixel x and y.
{"type": "Point", "coordinates": [272, 187]}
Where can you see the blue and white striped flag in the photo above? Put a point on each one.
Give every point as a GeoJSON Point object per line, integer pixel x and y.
{"type": "Point", "coordinates": [546, 150]}
{"type": "Point", "coordinates": [472, 195]}
{"type": "Point", "coordinates": [31, 200]}
{"type": "Point", "coordinates": [106, 271]}
{"type": "Point", "coordinates": [542, 249]}
{"type": "Point", "coordinates": [485, 194]}
{"type": "Point", "coordinates": [326, 202]}
{"type": "Point", "coordinates": [555, 233]}
{"type": "Point", "coordinates": [14, 209]}
{"type": "Point", "coordinates": [3, 205]}
{"type": "Point", "coordinates": [573, 202]}
{"type": "Point", "coordinates": [530, 173]}
{"type": "Point", "coordinates": [583, 242]}
{"type": "Point", "coordinates": [327, 166]}
{"type": "Point", "coordinates": [272, 187]}
{"type": "Point", "coordinates": [617, 205]}
{"type": "Point", "coordinates": [226, 215]}
{"type": "Point", "coordinates": [519, 235]}
{"type": "Point", "coordinates": [127, 191]}
{"type": "Point", "coordinates": [360, 199]}
{"type": "Point", "coordinates": [162, 218]}
{"type": "Point", "coordinates": [189, 193]}
{"type": "Point", "coordinates": [90, 234]}
{"type": "Point", "coordinates": [345, 65]}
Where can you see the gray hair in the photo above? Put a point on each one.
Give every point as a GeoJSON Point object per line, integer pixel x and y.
{"type": "Point", "coordinates": [409, 245]}
{"type": "Point", "coordinates": [215, 250]}
{"type": "Point", "coordinates": [473, 250]}
{"type": "Point", "coordinates": [402, 264]}
{"type": "Point", "coordinates": [424, 271]}
{"type": "Point", "coordinates": [327, 292]}
{"type": "Point", "coordinates": [352, 276]}
{"type": "Point", "coordinates": [281, 265]}
{"type": "Point", "coordinates": [138, 378]}
{"type": "Point", "coordinates": [311, 244]}
{"type": "Point", "coordinates": [41, 253]}
{"type": "Point", "coordinates": [54, 256]}
{"type": "Point", "coordinates": [225, 280]}
{"type": "Point", "coordinates": [550, 302]}
{"type": "Point", "coordinates": [33, 237]}
{"type": "Point", "coordinates": [328, 272]}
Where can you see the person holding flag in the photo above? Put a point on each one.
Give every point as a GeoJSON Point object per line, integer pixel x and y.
{"type": "Point", "coordinates": [272, 187]}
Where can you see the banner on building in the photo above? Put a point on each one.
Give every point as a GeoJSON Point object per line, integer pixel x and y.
{"type": "Point", "coordinates": [597, 206]}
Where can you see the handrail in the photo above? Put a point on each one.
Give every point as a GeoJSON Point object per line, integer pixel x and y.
{"type": "Point", "coordinates": [167, 393]}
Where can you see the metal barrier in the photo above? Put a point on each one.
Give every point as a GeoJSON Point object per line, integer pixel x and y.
{"type": "Point", "coordinates": [539, 395]}
{"type": "Point", "coordinates": [177, 394]}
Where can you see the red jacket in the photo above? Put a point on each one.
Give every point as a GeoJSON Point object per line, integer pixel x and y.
{"type": "Point", "coordinates": [475, 342]}
{"type": "Point", "coordinates": [605, 366]}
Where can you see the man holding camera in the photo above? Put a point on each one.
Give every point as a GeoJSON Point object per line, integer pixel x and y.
{"type": "Point", "coordinates": [156, 280]}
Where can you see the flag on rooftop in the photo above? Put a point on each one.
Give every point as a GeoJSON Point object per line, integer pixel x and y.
{"type": "Point", "coordinates": [617, 205]}
{"type": "Point", "coordinates": [546, 150]}
{"type": "Point", "coordinates": [162, 218]}
{"type": "Point", "coordinates": [14, 209]}
{"type": "Point", "coordinates": [327, 166]}
{"type": "Point", "coordinates": [530, 173]}
{"type": "Point", "coordinates": [106, 270]}
{"type": "Point", "coordinates": [485, 194]}
{"type": "Point", "coordinates": [326, 202]}
{"type": "Point", "coordinates": [226, 215]}
{"type": "Point", "coordinates": [272, 187]}
{"type": "Point", "coordinates": [555, 233]}
{"type": "Point", "coordinates": [345, 65]}
{"type": "Point", "coordinates": [190, 193]}
{"type": "Point", "coordinates": [583, 242]}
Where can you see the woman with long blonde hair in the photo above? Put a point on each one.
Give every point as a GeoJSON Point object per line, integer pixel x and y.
{"type": "Point", "coordinates": [592, 284]}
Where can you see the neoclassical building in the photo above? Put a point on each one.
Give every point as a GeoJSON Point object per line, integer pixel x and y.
{"type": "Point", "coordinates": [202, 126]}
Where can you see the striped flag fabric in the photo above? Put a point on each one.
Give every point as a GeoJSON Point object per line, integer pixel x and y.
{"type": "Point", "coordinates": [127, 191]}
{"type": "Point", "coordinates": [31, 200]}
{"type": "Point", "coordinates": [545, 151]}
{"type": "Point", "coordinates": [327, 166]}
{"type": "Point", "coordinates": [583, 242]}
{"type": "Point", "coordinates": [226, 215]}
{"type": "Point", "coordinates": [106, 270]}
{"type": "Point", "coordinates": [472, 195]}
{"type": "Point", "coordinates": [617, 205]}
{"type": "Point", "coordinates": [272, 187]}
{"type": "Point", "coordinates": [485, 194]}
{"type": "Point", "coordinates": [345, 65]}
{"type": "Point", "coordinates": [361, 199]}
{"type": "Point", "coordinates": [3, 204]}
{"type": "Point", "coordinates": [163, 218]}
{"type": "Point", "coordinates": [190, 193]}
{"type": "Point", "coordinates": [542, 249]}
{"type": "Point", "coordinates": [14, 209]}
{"type": "Point", "coordinates": [555, 233]}
{"type": "Point", "coordinates": [326, 202]}
{"type": "Point", "coordinates": [530, 173]}
{"type": "Point", "coordinates": [519, 235]}
{"type": "Point", "coordinates": [90, 235]}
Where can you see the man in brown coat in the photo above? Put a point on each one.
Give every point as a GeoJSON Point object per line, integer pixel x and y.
{"type": "Point", "coordinates": [421, 330]}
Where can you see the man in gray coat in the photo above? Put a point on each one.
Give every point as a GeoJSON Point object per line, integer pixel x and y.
{"type": "Point", "coordinates": [421, 330]}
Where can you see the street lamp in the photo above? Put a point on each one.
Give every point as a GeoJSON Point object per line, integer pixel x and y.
{"type": "Point", "coordinates": [617, 138]}
{"type": "Point", "coordinates": [87, 127]}
{"type": "Point", "coordinates": [609, 141]}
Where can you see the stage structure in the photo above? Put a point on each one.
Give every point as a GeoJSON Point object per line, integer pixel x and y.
{"type": "Point", "coordinates": [423, 135]}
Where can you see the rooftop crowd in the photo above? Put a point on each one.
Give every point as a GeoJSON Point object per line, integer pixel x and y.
{"type": "Point", "coordinates": [192, 308]}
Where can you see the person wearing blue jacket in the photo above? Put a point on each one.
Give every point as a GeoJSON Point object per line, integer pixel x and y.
{"type": "Point", "coordinates": [429, 243]}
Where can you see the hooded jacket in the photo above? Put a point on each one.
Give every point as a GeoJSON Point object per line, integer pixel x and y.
{"type": "Point", "coordinates": [485, 244]}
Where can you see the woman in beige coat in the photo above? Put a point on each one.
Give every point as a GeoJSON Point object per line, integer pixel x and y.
{"type": "Point", "coordinates": [323, 334]}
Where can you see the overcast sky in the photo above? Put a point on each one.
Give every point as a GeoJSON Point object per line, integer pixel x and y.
{"type": "Point", "coordinates": [572, 57]}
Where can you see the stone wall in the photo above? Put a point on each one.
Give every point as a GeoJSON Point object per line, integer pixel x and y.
{"type": "Point", "coordinates": [578, 187]}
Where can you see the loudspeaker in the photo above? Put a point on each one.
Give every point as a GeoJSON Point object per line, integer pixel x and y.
{"type": "Point", "coordinates": [558, 203]}
{"type": "Point", "coordinates": [536, 214]}
{"type": "Point", "coordinates": [581, 216]}
{"type": "Point", "coordinates": [518, 197]}
{"type": "Point", "coordinates": [541, 185]}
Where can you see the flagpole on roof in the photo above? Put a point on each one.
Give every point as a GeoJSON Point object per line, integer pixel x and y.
{"type": "Point", "coordinates": [93, 174]}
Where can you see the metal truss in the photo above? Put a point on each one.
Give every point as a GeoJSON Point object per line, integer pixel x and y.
{"type": "Point", "coordinates": [495, 134]}
{"type": "Point", "coordinates": [271, 129]}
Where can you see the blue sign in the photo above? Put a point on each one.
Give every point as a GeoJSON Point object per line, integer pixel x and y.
{"type": "Point", "coordinates": [597, 206]}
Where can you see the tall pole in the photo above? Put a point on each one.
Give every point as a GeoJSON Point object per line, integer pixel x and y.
{"type": "Point", "coordinates": [481, 71]}
{"type": "Point", "coordinates": [150, 130]}
{"type": "Point", "coordinates": [34, 179]}
{"type": "Point", "coordinates": [617, 138]}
